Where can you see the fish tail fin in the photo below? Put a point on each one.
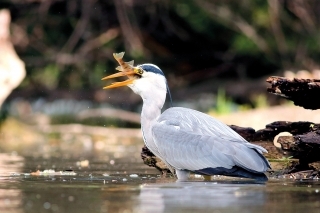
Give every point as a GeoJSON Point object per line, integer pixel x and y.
{"type": "Point", "coordinates": [118, 55]}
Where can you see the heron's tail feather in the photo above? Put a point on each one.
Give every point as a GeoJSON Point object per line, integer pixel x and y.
{"type": "Point", "coordinates": [234, 171]}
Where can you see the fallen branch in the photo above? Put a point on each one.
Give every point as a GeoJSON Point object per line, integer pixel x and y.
{"type": "Point", "coordinates": [303, 92]}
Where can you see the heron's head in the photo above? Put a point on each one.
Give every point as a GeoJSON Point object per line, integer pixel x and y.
{"type": "Point", "coordinates": [143, 79]}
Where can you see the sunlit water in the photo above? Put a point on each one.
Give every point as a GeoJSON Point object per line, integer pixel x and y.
{"type": "Point", "coordinates": [126, 185]}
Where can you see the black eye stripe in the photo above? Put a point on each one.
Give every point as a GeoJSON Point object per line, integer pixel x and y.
{"type": "Point", "coordinates": [151, 68]}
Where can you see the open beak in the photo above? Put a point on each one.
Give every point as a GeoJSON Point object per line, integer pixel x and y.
{"type": "Point", "coordinates": [122, 83]}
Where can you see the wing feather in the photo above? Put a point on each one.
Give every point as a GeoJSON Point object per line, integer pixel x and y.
{"type": "Point", "coordinates": [188, 139]}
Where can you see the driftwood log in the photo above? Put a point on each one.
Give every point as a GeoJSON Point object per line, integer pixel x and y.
{"type": "Point", "coordinates": [299, 152]}
{"type": "Point", "coordinates": [303, 92]}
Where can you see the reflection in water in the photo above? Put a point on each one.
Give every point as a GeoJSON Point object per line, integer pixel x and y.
{"type": "Point", "coordinates": [10, 200]}
{"type": "Point", "coordinates": [10, 163]}
{"type": "Point", "coordinates": [10, 197]}
{"type": "Point", "coordinates": [199, 196]}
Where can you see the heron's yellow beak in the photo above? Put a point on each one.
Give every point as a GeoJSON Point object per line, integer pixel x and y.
{"type": "Point", "coordinates": [129, 74]}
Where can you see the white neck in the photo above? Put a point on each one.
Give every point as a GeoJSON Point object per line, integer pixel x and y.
{"type": "Point", "coordinates": [152, 90]}
{"type": "Point", "coordinates": [151, 110]}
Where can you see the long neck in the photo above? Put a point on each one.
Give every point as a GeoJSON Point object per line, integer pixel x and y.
{"type": "Point", "coordinates": [151, 110]}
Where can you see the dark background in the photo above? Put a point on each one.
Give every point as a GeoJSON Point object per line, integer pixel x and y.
{"type": "Point", "coordinates": [201, 45]}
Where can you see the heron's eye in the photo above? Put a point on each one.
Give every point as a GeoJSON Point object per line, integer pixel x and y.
{"type": "Point", "coordinates": [139, 71]}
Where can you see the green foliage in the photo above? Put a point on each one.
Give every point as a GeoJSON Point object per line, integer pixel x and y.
{"type": "Point", "coordinates": [243, 45]}
{"type": "Point", "coordinates": [261, 17]}
{"type": "Point", "coordinates": [195, 17]}
{"type": "Point", "coordinates": [260, 101]}
{"type": "Point", "coordinates": [99, 71]}
{"type": "Point", "coordinates": [49, 76]}
{"type": "Point", "coordinates": [3, 114]}
{"type": "Point", "coordinates": [70, 45]}
{"type": "Point", "coordinates": [224, 105]}
{"type": "Point", "coordinates": [285, 161]}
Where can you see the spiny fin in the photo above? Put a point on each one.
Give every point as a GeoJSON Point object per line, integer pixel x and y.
{"type": "Point", "coordinates": [130, 62]}
{"type": "Point", "coordinates": [119, 68]}
{"type": "Point", "coordinates": [118, 55]}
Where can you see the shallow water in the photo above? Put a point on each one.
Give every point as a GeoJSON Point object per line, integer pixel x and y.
{"type": "Point", "coordinates": [126, 185]}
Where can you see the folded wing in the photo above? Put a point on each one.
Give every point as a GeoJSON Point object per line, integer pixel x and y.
{"type": "Point", "coordinates": [192, 140]}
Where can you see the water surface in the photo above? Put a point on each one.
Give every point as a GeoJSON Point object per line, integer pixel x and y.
{"type": "Point", "coordinates": [125, 184]}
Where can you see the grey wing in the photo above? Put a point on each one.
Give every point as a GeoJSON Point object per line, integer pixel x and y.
{"type": "Point", "coordinates": [191, 140]}
{"type": "Point", "coordinates": [197, 122]}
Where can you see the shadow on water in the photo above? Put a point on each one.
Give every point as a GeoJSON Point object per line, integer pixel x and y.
{"type": "Point", "coordinates": [126, 185]}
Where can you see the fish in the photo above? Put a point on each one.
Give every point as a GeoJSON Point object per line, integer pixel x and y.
{"type": "Point", "coordinates": [125, 69]}
{"type": "Point", "coordinates": [124, 66]}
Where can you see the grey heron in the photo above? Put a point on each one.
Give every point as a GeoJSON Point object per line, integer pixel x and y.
{"type": "Point", "coordinates": [187, 140]}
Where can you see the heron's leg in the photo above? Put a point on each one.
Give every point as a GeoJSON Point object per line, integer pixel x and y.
{"type": "Point", "coordinates": [183, 175]}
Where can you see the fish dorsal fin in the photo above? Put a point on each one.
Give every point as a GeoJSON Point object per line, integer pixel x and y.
{"type": "Point", "coordinates": [130, 62]}
{"type": "Point", "coordinates": [118, 55]}
{"type": "Point", "coordinates": [119, 68]}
